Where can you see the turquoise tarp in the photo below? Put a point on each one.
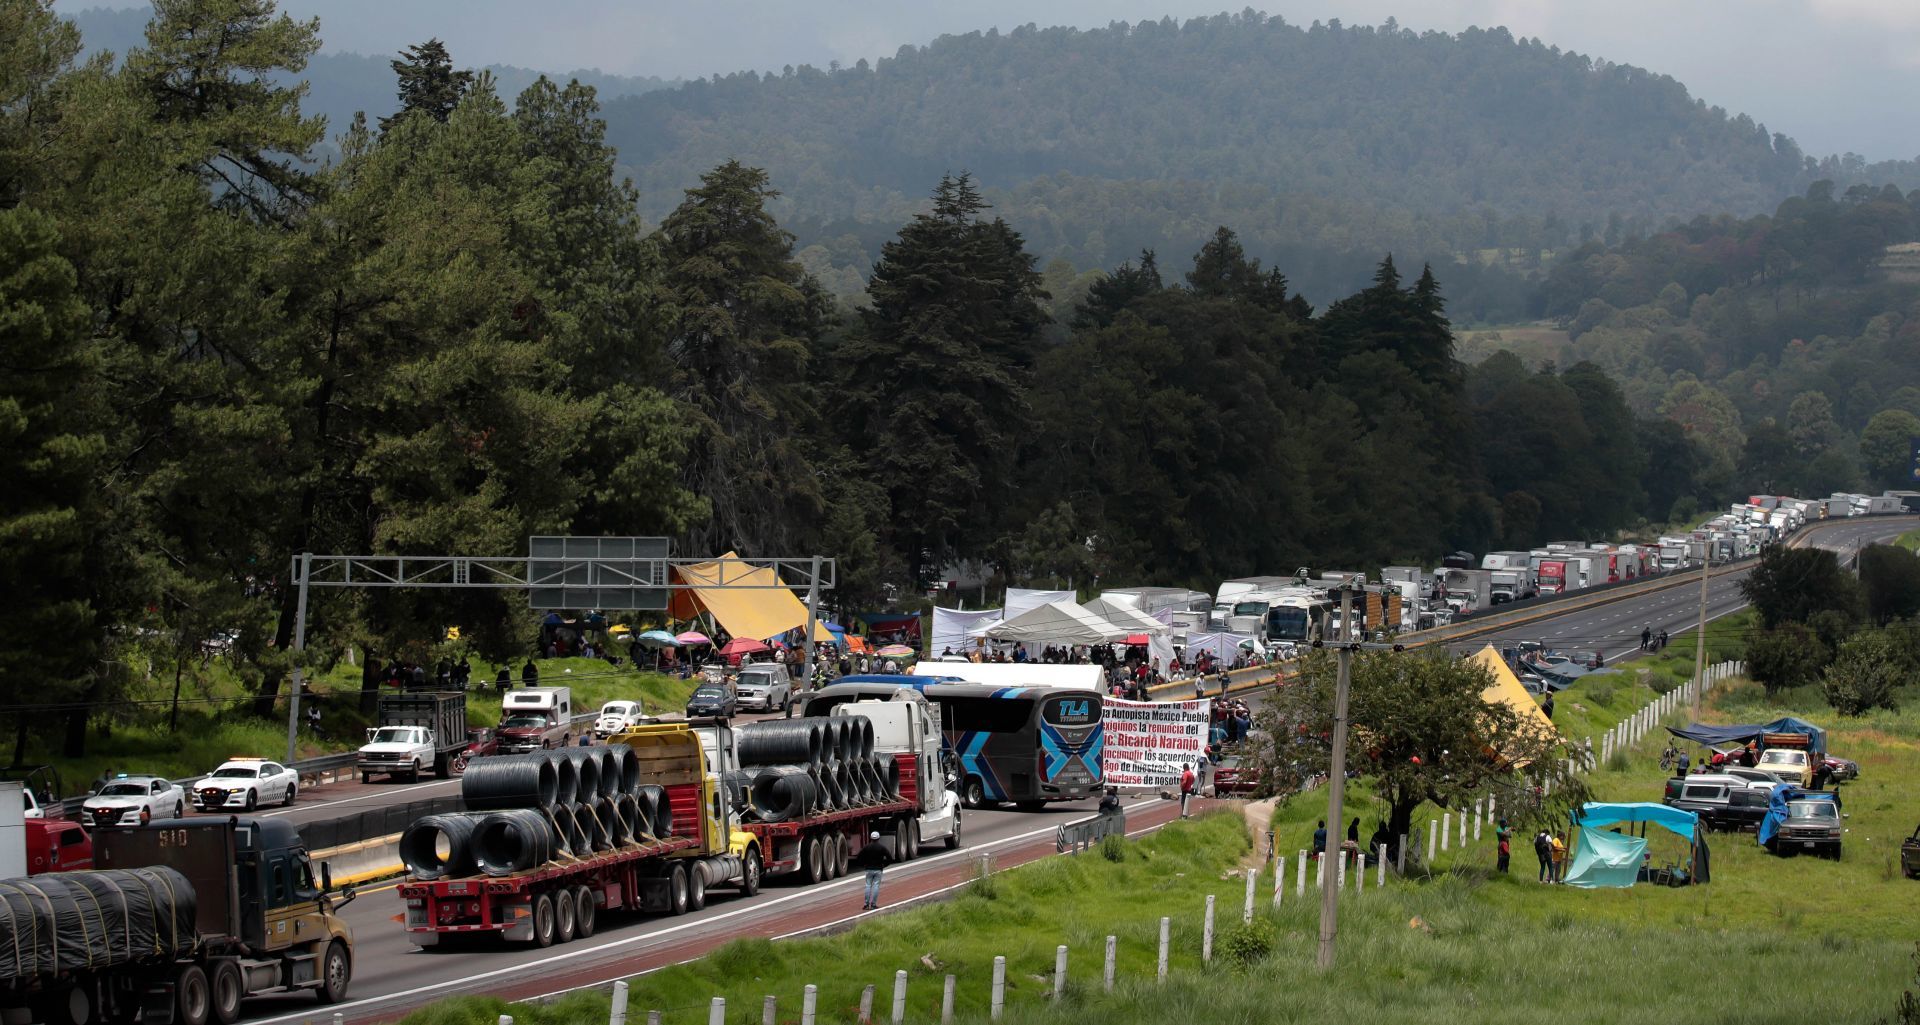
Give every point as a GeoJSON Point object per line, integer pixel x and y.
{"type": "Point", "coordinates": [1601, 858]}
{"type": "Point", "coordinates": [1599, 816]}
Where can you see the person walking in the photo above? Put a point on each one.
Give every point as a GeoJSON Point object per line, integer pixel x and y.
{"type": "Point", "coordinates": [1188, 779]}
{"type": "Point", "coordinates": [1558, 874]}
{"type": "Point", "coordinates": [1505, 837]}
{"type": "Point", "coordinates": [1543, 849]}
{"type": "Point", "coordinates": [874, 857]}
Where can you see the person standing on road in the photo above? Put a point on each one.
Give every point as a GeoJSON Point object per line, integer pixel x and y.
{"type": "Point", "coordinates": [1646, 637]}
{"type": "Point", "coordinates": [874, 857]}
{"type": "Point", "coordinates": [1188, 780]}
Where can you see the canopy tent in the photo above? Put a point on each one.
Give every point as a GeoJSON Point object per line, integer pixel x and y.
{"type": "Point", "coordinates": [1603, 858]}
{"type": "Point", "coordinates": [759, 609]}
{"type": "Point", "coordinates": [1158, 635]}
{"type": "Point", "coordinates": [953, 628]}
{"type": "Point", "coordinates": [1022, 600]}
{"type": "Point", "coordinates": [1710, 736]}
{"type": "Point", "coordinates": [1225, 647]}
{"type": "Point", "coordinates": [890, 625]}
{"type": "Point", "coordinates": [1056, 622]}
{"type": "Point", "coordinates": [743, 646]}
{"type": "Point", "coordinates": [1507, 689]}
{"type": "Point", "coordinates": [1017, 674]}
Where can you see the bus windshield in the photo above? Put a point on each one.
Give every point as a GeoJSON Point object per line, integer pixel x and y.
{"type": "Point", "coordinates": [1287, 624]}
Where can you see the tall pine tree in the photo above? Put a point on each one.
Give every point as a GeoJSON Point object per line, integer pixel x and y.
{"type": "Point", "coordinates": [428, 82]}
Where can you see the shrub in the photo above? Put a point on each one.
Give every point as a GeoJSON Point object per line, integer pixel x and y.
{"type": "Point", "coordinates": [1600, 692]}
{"type": "Point", "coordinates": [1244, 944]}
{"type": "Point", "coordinates": [1113, 847]}
{"type": "Point", "coordinates": [1788, 656]}
{"type": "Point", "coordinates": [1864, 676]}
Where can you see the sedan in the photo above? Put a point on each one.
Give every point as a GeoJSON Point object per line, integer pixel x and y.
{"type": "Point", "coordinates": [1234, 775]}
{"type": "Point", "coordinates": [134, 801]}
{"type": "Point", "coordinates": [246, 783]}
{"type": "Point", "coordinates": [714, 700]}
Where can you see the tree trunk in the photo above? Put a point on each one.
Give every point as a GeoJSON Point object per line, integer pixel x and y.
{"type": "Point", "coordinates": [173, 713]}
{"type": "Point", "coordinates": [369, 684]}
{"type": "Point", "coordinates": [1399, 823]}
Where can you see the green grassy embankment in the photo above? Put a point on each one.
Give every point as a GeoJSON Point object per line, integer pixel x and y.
{"type": "Point", "coordinates": [214, 723]}
{"type": "Point", "coordinates": [1909, 540]}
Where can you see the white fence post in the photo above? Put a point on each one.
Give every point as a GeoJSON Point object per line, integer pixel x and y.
{"type": "Point", "coordinates": [809, 1004]}
{"type": "Point", "coordinates": [999, 1001]}
{"type": "Point", "coordinates": [1279, 878]}
{"type": "Point", "coordinates": [1359, 870]}
{"type": "Point", "coordinates": [1340, 872]}
{"type": "Point", "coordinates": [1206, 934]}
{"type": "Point", "coordinates": [899, 997]}
{"type": "Point", "coordinates": [866, 1007]}
{"type": "Point", "coordinates": [1446, 828]}
{"type": "Point", "coordinates": [1059, 970]}
{"type": "Point", "coordinates": [1381, 879]}
{"type": "Point", "coordinates": [1300, 876]}
{"type": "Point", "coordinates": [946, 1001]}
{"type": "Point", "coordinates": [1246, 910]}
{"type": "Point", "coordinates": [1463, 829]}
{"type": "Point", "coordinates": [1165, 924]}
{"type": "Point", "coordinates": [653, 1018]}
{"type": "Point", "coordinates": [1432, 825]}
{"type": "Point", "coordinates": [1320, 871]}
{"type": "Point", "coordinates": [770, 1011]}
{"type": "Point", "coordinates": [1477, 814]}
{"type": "Point", "coordinates": [505, 1019]}
{"type": "Point", "coordinates": [1400, 865]}
{"type": "Point", "coordinates": [618, 1017]}
{"type": "Point", "coordinates": [717, 1011]}
{"type": "Point", "coordinates": [1107, 973]}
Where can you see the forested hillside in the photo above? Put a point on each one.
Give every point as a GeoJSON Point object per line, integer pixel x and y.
{"type": "Point", "coordinates": [1788, 344]}
{"type": "Point", "coordinates": [1323, 146]}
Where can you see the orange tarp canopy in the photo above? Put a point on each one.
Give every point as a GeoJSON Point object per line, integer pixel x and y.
{"type": "Point", "coordinates": [748, 601]}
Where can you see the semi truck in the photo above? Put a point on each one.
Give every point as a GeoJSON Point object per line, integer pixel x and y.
{"type": "Point", "coordinates": [416, 729]}
{"type": "Point", "coordinates": [182, 921]}
{"type": "Point", "coordinates": [710, 844]}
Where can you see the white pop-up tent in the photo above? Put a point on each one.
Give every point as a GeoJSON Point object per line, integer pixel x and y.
{"type": "Point", "coordinates": [1159, 635]}
{"type": "Point", "coordinates": [1056, 622]}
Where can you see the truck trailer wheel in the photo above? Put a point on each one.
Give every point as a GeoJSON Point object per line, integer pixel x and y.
{"type": "Point", "coordinates": [696, 887]}
{"type": "Point", "coordinates": [228, 990]}
{"type": "Point", "coordinates": [193, 999]}
{"type": "Point", "coordinates": [336, 970]}
{"type": "Point", "coordinates": [677, 890]}
{"type": "Point", "coordinates": [543, 921]}
{"type": "Point", "coordinates": [913, 839]}
{"type": "Point", "coordinates": [563, 920]}
{"type": "Point", "coordinates": [750, 873]}
{"type": "Point", "coordinates": [64, 1006]}
{"type": "Point", "coordinates": [842, 854]}
{"type": "Point", "coordinates": [953, 838]}
{"type": "Point", "coordinates": [974, 795]}
{"type": "Point", "coordinates": [814, 870]}
{"type": "Point", "coordinates": [584, 912]}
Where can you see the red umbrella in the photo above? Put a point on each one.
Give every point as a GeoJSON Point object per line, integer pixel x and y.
{"type": "Point", "coordinates": [743, 646]}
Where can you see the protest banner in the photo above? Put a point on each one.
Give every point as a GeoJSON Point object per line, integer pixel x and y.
{"type": "Point", "coordinates": [1148, 743]}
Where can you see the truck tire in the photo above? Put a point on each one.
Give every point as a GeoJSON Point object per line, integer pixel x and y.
{"type": "Point", "coordinates": [366, 778]}
{"type": "Point", "coordinates": [336, 970]}
{"type": "Point", "coordinates": [913, 839]}
{"type": "Point", "coordinates": [584, 913]}
{"type": "Point", "coordinates": [71, 1005]}
{"type": "Point", "coordinates": [543, 921]}
{"type": "Point", "coordinates": [193, 998]}
{"type": "Point", "coordinates": [696, 887]}
{"type": "Point", "coordinates": [750, 869]}
{"type": "Point", "coordinates": [677, 890]}
{"type": "Point", "coordinates": [413, 776]}
{"type": "Point", "coordinates": [812, 868]}
{"type": "Point", "coordinates": [440, 767]}
{"type": "Point", "coordinates": [564, 921]}
{"type": "Point", "coordinates": [953, 838]}
{"type": "Point", "coordinates": [973, 795]}
{"type": "Point", "coordinates": [228, 990]}
{"type": "Point", "coordinates": [842, 855]}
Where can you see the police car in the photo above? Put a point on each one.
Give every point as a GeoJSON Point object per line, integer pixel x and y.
{"type": "Point", "coordinates": [246, 783]}
{"type": "Point", "coordinates": [133, 801]}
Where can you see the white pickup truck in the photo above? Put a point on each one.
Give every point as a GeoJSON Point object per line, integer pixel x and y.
{"type": "Point", "coordinates": [396, 751]}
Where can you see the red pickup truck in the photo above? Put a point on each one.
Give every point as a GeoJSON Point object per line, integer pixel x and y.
{"type": "Point", "coordinates": [57, 845]}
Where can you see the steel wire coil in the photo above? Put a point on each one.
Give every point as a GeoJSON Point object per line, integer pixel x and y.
{"type": "Point", "coordinates": [783, 792]}
{"type": "Point", "coordinates": [781, 742]}
{"type": "Point", "coordinates": [434, 846]}
{"type": "Point", "coordinates": [514, 840]}
{"type": "Point", "coordinates": [658, 808]}
{"type": "Point", "coordinates": [509, 781]}
{"type": "Point", "coordinates": [586, 763]}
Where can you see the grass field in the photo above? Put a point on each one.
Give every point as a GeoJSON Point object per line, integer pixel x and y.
{"type": "Point", "coordinates": [215, 721]}
{"type": "Point", "coordinates": [1909, 540]}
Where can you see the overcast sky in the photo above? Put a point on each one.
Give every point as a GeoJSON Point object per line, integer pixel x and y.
{"type": "Point", "coordinates": [1837, 75]}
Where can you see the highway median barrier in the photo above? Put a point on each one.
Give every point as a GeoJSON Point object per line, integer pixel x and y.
{"type": "Point", "coordinates": [363, 861]}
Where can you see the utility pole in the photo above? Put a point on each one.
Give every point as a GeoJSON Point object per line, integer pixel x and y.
{"type": "Point", "coordinates": [1700, 638]}
{"type": "Point", "coordinates": [305, 572]}
{"type": "Point", "coordinates": [813, 617]}
{"type": "Point", "coordinates": [1336, 781]}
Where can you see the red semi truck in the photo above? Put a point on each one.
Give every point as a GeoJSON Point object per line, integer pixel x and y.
{"type": "Point", "coordinates": [708, 845]}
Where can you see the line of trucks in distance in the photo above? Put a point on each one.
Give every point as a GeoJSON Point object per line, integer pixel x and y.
{"type": "Point", "coordinates": [1284, 611]}
{"type": "Point", "coordinates": [179, 921]}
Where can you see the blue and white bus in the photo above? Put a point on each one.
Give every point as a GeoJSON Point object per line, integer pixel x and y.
{"type": "Point", "coordinates": [1023, 745]}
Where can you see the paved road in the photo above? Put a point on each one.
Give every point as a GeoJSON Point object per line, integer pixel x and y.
{"type": "Point", "coordinates": [393, 976]}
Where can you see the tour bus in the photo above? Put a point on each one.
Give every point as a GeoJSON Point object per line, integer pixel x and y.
{"type": "Point", "coordinates": [1300, 617]}
{"type": "Point", "coordinates": [1023, 745]}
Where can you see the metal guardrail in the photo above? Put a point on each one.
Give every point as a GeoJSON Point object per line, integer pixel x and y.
{"type": "Point", "coordinates": [1078, 836]}
{"type": "Point", "coordinates": [373, 823]}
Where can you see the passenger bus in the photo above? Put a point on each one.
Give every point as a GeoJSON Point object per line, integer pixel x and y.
{"type": "Point", "coordinates": [1023, 745]}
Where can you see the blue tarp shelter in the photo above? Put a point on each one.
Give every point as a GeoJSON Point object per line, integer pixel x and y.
{"type": "Point", "coordinates": [1701, 733]}
{"type": "Point", "coordinates": [1602, 858]}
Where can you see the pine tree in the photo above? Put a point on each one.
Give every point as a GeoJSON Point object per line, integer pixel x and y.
{"type": "Point", "coordinates": [428, 82]}
{"type": "Point", "coordinates": [1111, 293]}
{"type": "Point", "coordinates": [937, 371]}
{"type": "Point", "coordinates": [742, 323]}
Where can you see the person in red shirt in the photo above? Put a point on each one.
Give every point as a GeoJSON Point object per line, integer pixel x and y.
{"type": "Point", "coordinates": [1187, 781]}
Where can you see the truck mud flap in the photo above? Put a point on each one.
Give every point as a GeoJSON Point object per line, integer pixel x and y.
{"type": "Point", "coordinates": [653, 894]}
{"type": "Point", "coordinates": [157, 1004]}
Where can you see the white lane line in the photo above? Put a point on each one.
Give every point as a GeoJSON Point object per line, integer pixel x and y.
{"type": "Point", "coordinates": [384, 792]}
{"type": "Point", "coordinates": [625, 941]}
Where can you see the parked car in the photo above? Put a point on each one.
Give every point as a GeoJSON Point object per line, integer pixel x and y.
{"type": "Point", "coordinates": [616, 716]}
{"type": "Point", "coordinates": [1812, 824]}
{"type": "Point", "coordinates": [714, 699]}
{"type": "Point", "coordinates": [1722, 802]}
{"type": "Point", "coordinates": [1234, 775]}
{"type": "Point", "coordinates": [764, 687]}
{"type": "Point", "coordinates": [1839, 769]}
{"type": "Point", "coordinates": [246, 783]}
{"type": "Point", "coordinates": [133, 801]}
{"type": "Point", "coordinates": [1910, 855]}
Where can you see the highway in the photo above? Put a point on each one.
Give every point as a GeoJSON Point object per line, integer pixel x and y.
{"type": "Point", "coordinates": [392, 976]}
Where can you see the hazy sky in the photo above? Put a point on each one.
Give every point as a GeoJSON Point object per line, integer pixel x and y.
{"type": "Point", "coordinates": [1837, 75]}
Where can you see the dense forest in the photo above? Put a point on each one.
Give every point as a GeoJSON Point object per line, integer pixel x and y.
{"type": "Point", "coordinates": [217, 351]}
{"type": "Point", "coordinates": [1323, 145]}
